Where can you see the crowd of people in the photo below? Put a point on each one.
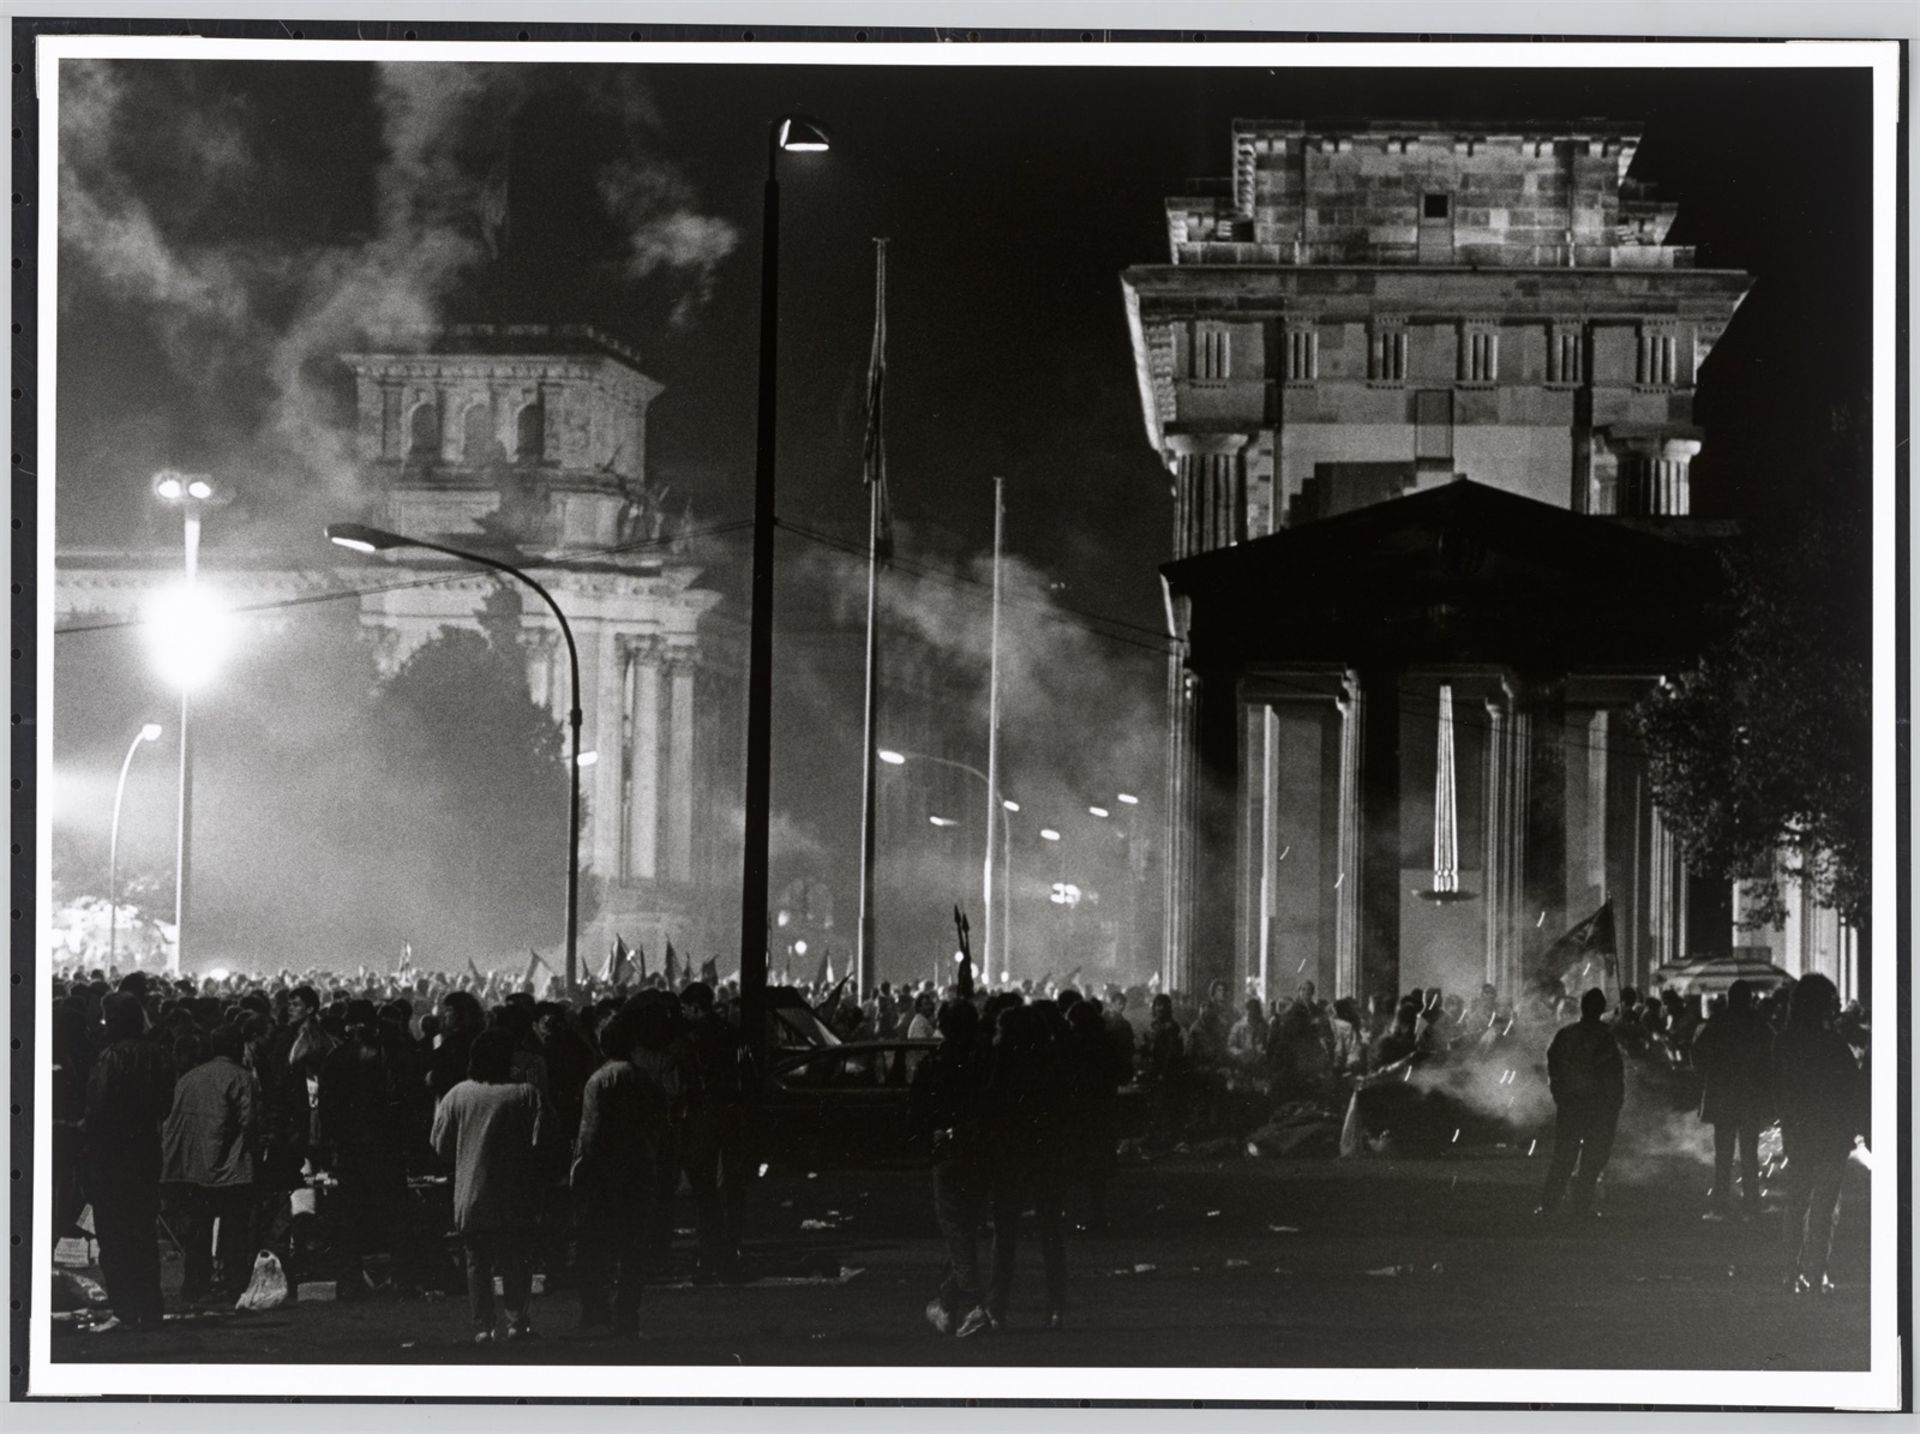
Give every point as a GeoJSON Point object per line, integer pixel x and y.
{"type": "Point", "coordinates": [562, 1130]}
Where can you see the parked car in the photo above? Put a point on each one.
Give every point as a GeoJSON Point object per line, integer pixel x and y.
{"type": "Point", "coordinates": [840, 1106]}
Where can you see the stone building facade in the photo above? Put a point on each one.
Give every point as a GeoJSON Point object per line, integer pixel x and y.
{"type": "Point", "coordinates": [1363, 315]}
{"type": "Point", "coordinates": [529, 442]}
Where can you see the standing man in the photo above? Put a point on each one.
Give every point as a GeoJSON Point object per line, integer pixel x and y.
{"type": "Point", "coordinates": [714, 1152]}
{"type": "Point", "coordinates": [361, 1109]}
{"type": "Point", "coordinates": [1734, 1055]}
{"type": "Point", "coordinates": [1589, 1083]}
{"type": "Point", "coordinates": [208, 1146]}
{"type": "Point", "coordinates": [1821, 1097]}
{"type": "Point", "coordinates": [626, 1117]}
{"type": "Point", "coordinates": [943, 1110]}
{"type": "Point", "coordinates": [487, 1126]}
{"type": "Point", "coordinates": [128, 1094]}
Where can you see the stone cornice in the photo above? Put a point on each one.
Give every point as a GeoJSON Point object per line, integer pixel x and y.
{"type": "Point", "coordinates": [1187, 291]}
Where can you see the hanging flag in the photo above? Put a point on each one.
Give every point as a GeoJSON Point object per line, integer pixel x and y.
{"type": "Point", "coordinates": [1591, 939]}
{"type": "Point", "coordinates": [673, 969]}
{"type": "Point", "coordinates": [1071, 976]}
{"type": "Point", "coordinates": [475, 970]}
{"type": "Point", "coordinates": [823, 973]}
{"type": "Point", "coordinates": [617, 964]}
{"type": "Point", "coordinates": [874, 452]}
{"type": "Point", "coordinates": [710, 972]}
{"type": "Point", "coordinates": [640, 955]}
{"type": "Point", "coordinates": [534, 963]}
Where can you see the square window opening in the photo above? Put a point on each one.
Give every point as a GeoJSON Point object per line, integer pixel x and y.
{"type": "Point", "coordinates": [1436, 206]}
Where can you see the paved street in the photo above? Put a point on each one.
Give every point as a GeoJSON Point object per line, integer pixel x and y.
{"type": "Point", "coordinates": [1235, 1262]}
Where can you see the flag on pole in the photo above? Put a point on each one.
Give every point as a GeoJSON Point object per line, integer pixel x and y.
{"type": "Point", "coordinates": [534, 963]}
{"type": "Point", "coordinates": [874, 452]}
{"type": "Point", "coordinates": [1591, 940]}
{"type": "Point", "coordinates": [823, 972]}
{"type": "Point", "coordinates": [832, 1002]}
{"type": "Point", "coordinates": [475, 970]}
{"type": "Point", "coordinates": [673, 968]}
{"type": "Point", "coordinates": [965, 955]}
{"type": "Point", "coordinates": [619, 960]}
{"type": "Point", "coordinates": [710, 972]}
{"type": "Point", "coordinates": [640, 956]}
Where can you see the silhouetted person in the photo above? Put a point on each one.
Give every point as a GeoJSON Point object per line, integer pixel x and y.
{"type": "Point", "coordinates": [1588, 1080]}
{"type": "Point", "coordinates": [1818, 1092]}
{"type": "Point", "coordinates": [362, 1129]}
{"type": "Point", "coordinates": [714, 1150]}
{"type": "Point", "coordinates": [487, 1126]}
{"type": "Point", "coordinates": [129, 1093]}
{"type": "Point", "coordinates": [1026, 1158]}
{"type": "Point", "coordinates": [626, 1118]}
{"type": "Point", "coordinates": [1094, 1088]}
{"type": "Point", "coordinates": [1163, 1069]}
{"type": "Point", "coordinates": [944, 1107]}
{"type": "Point", "coordinates": [1733, 1054]}
{"type": "Point", "coordinates": [208, 1147]}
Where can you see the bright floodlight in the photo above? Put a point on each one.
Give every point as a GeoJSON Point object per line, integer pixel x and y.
{"type": "Point", "coordinates": [1130, 799]}
{"type": "Point", "coordinates": [200, 489]}
{"type": "Point", "coordinates": [363, 539]}
{"type": "Point", "coordinates": [170, 486]}
{"type": "Point", "coordinates": [587, 759]}
{"type": "Point", "coordinates": [1011, 805]}
{"type": "Point", "coordinates": [190, 633]}
{"type": "Point", "coordinates": [943, 821]}
{"type": "Point", "coordinates": [892, 759]}
{"type": "Point", "coordinates": [1049, 834]}
{"type": "Point", "coordinates": [1099, 811]}
{"type": "Point", "coordinates": [799, 948]}
{"type": "Point", "coordinates": [800, 135]}
{"type": "Point", "coordinates": [218, 973]}
{"type": "Point", "coordinates": [150, 732]}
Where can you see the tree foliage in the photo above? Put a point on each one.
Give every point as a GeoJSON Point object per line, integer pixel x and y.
{"type": "Point", "coordinates": [1761, 754]}
{"type": "Point", "coordinates": [485, 770]}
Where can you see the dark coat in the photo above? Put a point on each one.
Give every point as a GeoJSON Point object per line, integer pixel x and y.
{"type": "Point", "coordinates": [1734, 1055]}
{"type": "Point", "coordinates": [1584, 1067]}
{"type": "Point", "coordinates": [1819, 1093]}
{"type": "Point", "coordinates": [944, 1103]}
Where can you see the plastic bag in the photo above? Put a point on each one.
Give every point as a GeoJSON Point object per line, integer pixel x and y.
{"type": "Point", "coordinates": [85, 1223]}
{"type": "Point", "coordinates": [267, 1290]}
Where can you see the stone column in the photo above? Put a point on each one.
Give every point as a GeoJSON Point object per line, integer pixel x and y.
{"type": "Point", "coordinates": [679, 861]}
{"type": "Point", "coordinates": [1209, 501]}
{"type": "Point", "coordinates": [1346, 922]}
{"type": "Point", "coordinates": [1182, 776]}
{"type": "Point", "coordinates": [1210, 952]}
{"type": "Point", "coordinates": [643, 803]}
{"type": "Point", "coordinates": [1654, 478]}
{"type": "Point", "coordinates": [1379, 844]}
{"type": "Point", "coordinates": [602, 702]}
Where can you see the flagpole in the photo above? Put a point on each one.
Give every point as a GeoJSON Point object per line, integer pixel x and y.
{"type": "Point", "coordinates": [993, 742]}
{"type": "Point", "coordinates": [865, 959]}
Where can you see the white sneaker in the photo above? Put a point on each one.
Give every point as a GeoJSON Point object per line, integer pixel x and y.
{"type": "Point", "coordinates": [978, 1321]}
{"type": "Point", "coordinates": [938, 1317]}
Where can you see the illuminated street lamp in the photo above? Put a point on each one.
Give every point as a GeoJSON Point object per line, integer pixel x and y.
{"type": "Point", "coordinates": [799, 135]}
{"type": "Point", "coordinates": [149, 733]}
{"type": "Point", "coordinates": [360, 538]}
{"type": "Point", "coordinates": [186, 626]}
{"type": "Point", "coordinates": [943, 821]}
{"type": "Point", "coordinates": [900, 759]}
{"type": "Point", "coordinates": [1100, 812]}
{"type": "Point", "coordinates": [1129, 799]}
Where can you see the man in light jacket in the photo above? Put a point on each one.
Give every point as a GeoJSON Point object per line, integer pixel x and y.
{"type": "Point", "coordinates": [208, 1146]}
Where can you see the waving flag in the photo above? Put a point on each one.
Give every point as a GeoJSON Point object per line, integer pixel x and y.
{"type": "Point", "coordinates": [1586, 946]}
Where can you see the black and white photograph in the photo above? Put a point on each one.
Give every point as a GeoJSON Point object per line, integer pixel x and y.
{"type": "Point", "coordinates": [909, 716]}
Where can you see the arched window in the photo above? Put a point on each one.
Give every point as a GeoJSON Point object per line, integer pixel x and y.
{"type": "Point", "coordinates": [423, 433]}
{"type": "Point", "coordinates": [479, 439]}
{"type": "Point", "coordinates": [530, 433]}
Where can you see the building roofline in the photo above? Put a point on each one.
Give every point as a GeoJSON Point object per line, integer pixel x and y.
{"type": "Point", "coordinates": [504, 339]}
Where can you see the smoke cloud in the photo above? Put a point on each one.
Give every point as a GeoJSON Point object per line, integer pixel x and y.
{"type": "Point", "coordinates": [251, 322]}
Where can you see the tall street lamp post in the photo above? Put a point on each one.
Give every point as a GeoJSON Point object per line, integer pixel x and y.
{"type": "Point", "coordinates": [362, 539]}
{"type": "Point", "coordinates": [183, 629]}
{"type": "Point", "coordinates": [148, 733]}
{"type": "Point", "coordinates": [798, 134]}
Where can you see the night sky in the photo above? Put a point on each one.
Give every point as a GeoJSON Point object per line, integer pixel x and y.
{"type": "Point", "coordinates": [1013, 199]}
